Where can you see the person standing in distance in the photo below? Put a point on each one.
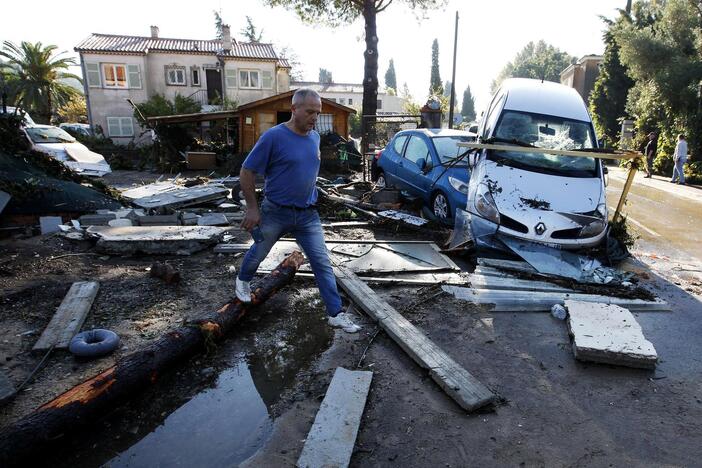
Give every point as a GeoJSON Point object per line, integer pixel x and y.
{"type": "Point", "coordinates": [288, 157]}
{"type": "Point", "coordinates": [679, 159]}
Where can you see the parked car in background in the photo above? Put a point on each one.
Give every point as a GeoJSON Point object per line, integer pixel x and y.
{"type": "Point", "coordinates": [14, 110]}
{"type": "Point", "coordinates": [76, 129]}
{"type": "Point", "coordinates": [427, 164]}
{"type": "Point", "coordinates": [375, 170]}
{"type": "Point", "coordinates": [546, 198]}
{"type": "Point", "coordinates": [58, 144]}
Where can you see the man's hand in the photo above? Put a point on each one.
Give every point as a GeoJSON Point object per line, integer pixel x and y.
{"type": "Point", "coordinates": [252, 218]}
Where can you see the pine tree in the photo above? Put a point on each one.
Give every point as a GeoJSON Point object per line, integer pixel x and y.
{"type": "Point", "coordinates": [468, 107]}
{"type": "Point", "coordinates": [325, 76]}
{"type": "Point", "coordinates": [435, 86]}
{"type": "Point", "coordinates": [390, 78]}
{"type": "Point", "coordinates": [250, 32]}
{"type": "Point", "coordinates": [218, 24]}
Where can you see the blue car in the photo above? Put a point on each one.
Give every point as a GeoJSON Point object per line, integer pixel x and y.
{"type": "Point", "coordinates": [420, 162]}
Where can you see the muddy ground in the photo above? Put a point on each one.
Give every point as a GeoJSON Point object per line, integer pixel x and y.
{"type": "Point", "coordinates": [253, 398]}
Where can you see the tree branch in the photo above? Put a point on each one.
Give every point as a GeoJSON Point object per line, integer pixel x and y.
{"type": "Point", "coordinates": [380, 7]}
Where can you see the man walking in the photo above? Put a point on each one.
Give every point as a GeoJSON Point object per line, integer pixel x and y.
{"type": "Point", "coordinates": [679, 158]}
{"type": "Point", "coordinates": [650, 152]}
{"type": "Point", "coordinates": [288, 157]}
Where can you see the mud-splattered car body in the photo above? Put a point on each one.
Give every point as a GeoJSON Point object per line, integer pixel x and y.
{"type": "Point", "coordinates": [556, 200]}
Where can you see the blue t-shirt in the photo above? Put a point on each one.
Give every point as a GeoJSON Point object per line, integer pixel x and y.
{"type": "Point", "coordinates": [289, 163]}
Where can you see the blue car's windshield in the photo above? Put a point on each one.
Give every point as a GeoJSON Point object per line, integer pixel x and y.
{"type": "Point", "coordinates": [447, 148]}
{"type": "Point", "coordinates": [550, 132]}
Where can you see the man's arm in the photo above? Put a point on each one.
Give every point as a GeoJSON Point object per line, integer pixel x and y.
{"type": "Point", "coordinates": [247, 180]}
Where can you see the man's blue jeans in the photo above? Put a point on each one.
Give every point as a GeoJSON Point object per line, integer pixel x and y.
{"type": "Point", "coordinates": [679, 171]}
{"type": "Point", "coordinates": [306, 227]}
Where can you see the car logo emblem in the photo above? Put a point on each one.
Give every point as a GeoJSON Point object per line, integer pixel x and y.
{"type": "Point", "coordinates": [540, 228]}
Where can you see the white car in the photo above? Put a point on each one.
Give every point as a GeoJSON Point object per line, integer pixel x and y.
{"type": "Point", "coordinates": [551, 199]}
{"type": "Point", "coordinates": [61, 146]}
{"type": "Point", "coordinates": [27, 119]}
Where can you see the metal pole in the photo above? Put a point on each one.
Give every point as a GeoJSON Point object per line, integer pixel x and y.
{"type": "Point", "coordinates": [453, 76]}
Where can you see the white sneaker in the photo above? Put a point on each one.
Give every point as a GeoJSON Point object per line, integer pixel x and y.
{"type": "Point", "coordinates": [243, 290]}
{"type": "Point", "coordinates": [343, 321]}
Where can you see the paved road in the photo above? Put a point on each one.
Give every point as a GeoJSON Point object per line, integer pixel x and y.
{"type": "Point", "coordinates": [667, 217]}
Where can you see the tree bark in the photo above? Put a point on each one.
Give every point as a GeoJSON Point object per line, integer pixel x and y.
{"type": "Point", "coordinates": [88, 401]}
{"type": "Point", "coordinates": [370, 75]}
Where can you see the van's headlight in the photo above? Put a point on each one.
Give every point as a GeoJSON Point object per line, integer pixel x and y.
{"type": "Point", "coordinates": [458, 185]}
{"type": "Point", "coordinates": [602, 210]}
{"type": "Point", "coordinates": [598, 225]}
{"type": "Point", "coordinates": [485, 204]}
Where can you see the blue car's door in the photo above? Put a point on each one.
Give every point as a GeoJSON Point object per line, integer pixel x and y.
{"type": "Point", "coordinates": [391, 160]}
{"type": "Point", "coordinates": [417, 154]}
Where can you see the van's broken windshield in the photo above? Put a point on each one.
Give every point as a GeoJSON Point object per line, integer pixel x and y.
{"type": "Point", "coordinates": [550, 132]}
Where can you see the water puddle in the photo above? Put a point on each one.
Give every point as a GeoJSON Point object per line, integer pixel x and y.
{"type": "Point", "coordinates": [221, 426]}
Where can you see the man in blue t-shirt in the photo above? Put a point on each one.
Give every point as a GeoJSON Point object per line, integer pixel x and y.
{"type": "Point", "coordinates": [288, 157]}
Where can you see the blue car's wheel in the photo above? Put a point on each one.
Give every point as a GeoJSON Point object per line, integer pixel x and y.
{"type": "Point", "coordinates": [381, 182]}
{"type": "Point", "coordinates": [440, 207]}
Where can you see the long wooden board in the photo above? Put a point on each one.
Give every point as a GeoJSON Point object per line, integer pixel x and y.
{"type": "Point", "coordinates": [526, 149]}
{"type": "Point", "coordinates": [332, 437]}
{"type": "Point", "coordinates": [69, 317]}
{"type": "Point", "coordinates": [457, 382]}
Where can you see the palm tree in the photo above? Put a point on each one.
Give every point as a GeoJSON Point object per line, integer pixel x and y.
{"type": "Point", "coordinates": [37, 72]}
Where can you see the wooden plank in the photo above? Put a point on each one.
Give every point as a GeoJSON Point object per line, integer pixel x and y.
{"type": "Point", "coordinates": [331, 440]}
{"type": "Point", "coordinates": [458, 383]}
{"type": "Point", "coordinates": [69, 317]}
{"type": "Point", "coordinates": [376, 241]}
{"type": "Point", "coordinates": [537, 301]}
{"type": "Point", "coordinates": [577, 154]}
{"type": "Point", "coordinates": [428, 281]}
{"type": "Point", "coordinates": [608, 334]}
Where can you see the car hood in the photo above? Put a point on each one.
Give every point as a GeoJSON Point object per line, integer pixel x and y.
{"type": "Point", "coordinates": [516, 191]}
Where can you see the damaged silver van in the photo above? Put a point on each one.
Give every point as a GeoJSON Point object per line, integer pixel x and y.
{"type": "Point", "coordinates": [551, 199]}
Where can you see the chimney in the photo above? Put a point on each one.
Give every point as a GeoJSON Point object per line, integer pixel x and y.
{"type": "Point", "coordinates": [154, 32]}
{"type": "Point", "coordinates": [226, 37]}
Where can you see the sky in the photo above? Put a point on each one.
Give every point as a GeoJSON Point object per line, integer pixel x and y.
{"type": "Point", "coordinates": [490, 33]}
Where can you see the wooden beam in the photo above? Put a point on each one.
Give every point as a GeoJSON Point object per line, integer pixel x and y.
{"type": "Point", "coordinates": [332, 437]}
{"type": "Point", "coordinates": [625, 192]}
{"type": "Point", "coordinates": [69, 317]}
{"type": "Point", "coordinates": [577, 154]}
{"type": "Point", "coordinates": [458, 383]}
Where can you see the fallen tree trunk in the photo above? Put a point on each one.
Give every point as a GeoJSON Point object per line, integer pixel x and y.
{"type": "Point", "coordinates": [88, 401]}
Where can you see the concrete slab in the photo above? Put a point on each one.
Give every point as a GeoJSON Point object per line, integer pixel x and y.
{"type": "Point", "coordinates": [96, 219]}
{"type": "Point", "coordinates": [178, 240]}
{"type": "Point", "coordinates": [608, 334]}
{"type": "Point", "coordinates": [183, 197]}
{"type": "Point", "coordinates": [332, 437]}
{"type": "Point", "coordinates": [49, 224]}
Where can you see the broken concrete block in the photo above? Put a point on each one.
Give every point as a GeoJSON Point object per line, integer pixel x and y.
{"type": "Point", "coordinates": [96, 219]}
{"type": "Point", "coordinates": [608, 334]}
{"type": "Point", "coordinates": [213, 219]}
{"type": "Point", "coordinates": [178, 240]}
{"type": "Point", "coordinates": [160, 220]}
{"type": "Point", "coordinates": [49, 224]}
{"type": "Point", "coordinates": [189, 219]}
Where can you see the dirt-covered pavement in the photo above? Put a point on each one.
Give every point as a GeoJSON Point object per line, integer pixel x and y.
{"type": "Point", "coordinates": [253, 398]}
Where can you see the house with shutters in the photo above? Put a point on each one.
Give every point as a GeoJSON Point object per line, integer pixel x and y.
{"type": "Point", "coordinates": [117, 68]}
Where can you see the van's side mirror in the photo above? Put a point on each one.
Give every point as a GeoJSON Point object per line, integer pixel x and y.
{"type": "Point", "coordinates": [605, 174]}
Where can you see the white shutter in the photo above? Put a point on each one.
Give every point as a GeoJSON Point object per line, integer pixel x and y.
{"type": "Point", "coordinates": [230, 77]}
{"type": "Point", "coordinates": [92, 71]}
{"type": "Point", "coordinates": [126, 126]}
{"type": "Point", "coordinates": [266, 79]}
{"type": "Point", "coordinates": [133, 76]}
{"type": "Point", "coordinates": [113, 127]}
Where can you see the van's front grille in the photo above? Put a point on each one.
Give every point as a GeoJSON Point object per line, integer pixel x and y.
{"type": "Point", "coordinates": [566, 233]}
{"type": "Point", "coordinates": [513, 224]}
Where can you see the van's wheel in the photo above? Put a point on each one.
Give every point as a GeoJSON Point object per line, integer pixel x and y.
{"type": "Point", "coordinates": [440, 207]}
{"type": "Point", "coordinates": [380, 182]}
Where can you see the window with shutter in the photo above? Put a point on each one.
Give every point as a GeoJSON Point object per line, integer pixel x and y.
{"type": "Point", "coordinates": [120, 127]}
{"type": "Point", "coordinates": [175, 75]}
{"type": "Point", "coordinates": [266, 80]}
{"type": "Point", "coordinates": [92, 71]}
{"type": "Point", "coordinates": [133, 76]}
{"type": "Point", "coordinates": [115, 75]}
{"type": "Point", "coordinates": [230, 77]}
{"type": "Point", "coordinates": [249, 79]}
{"type": "Point", "coordinates": [113, 127]}
{"type": "Point", "coordinates": [127, 129]}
